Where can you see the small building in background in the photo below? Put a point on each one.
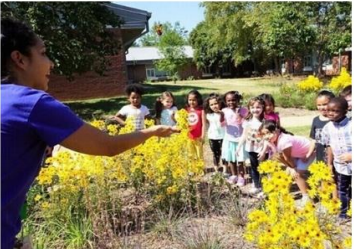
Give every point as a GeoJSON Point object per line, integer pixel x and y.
{"type": "Point", "coordinates": [141, 65]}
{"type": "Point", "coordinates": [114, 80]}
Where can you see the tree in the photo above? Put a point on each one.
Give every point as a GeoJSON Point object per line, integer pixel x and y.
{"type": "Point", "coordinates": [75, 33]}
{"type": "Point", "coordinates": [170, 46]}
{"type": "Point", "coordinates": [332, 22]}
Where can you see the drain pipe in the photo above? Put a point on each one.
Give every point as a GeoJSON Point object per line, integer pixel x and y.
{"type": "Point", "coordinates": [126, 44]}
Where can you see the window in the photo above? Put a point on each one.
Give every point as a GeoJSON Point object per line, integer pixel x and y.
{"type": "Point", "coordinates": [308, 61]}
{"type": "Point", "coordinates": [150, 72]}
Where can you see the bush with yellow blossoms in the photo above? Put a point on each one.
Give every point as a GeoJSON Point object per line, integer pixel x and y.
{"type": "Point", "coordinates": [341, 81]}
{"type": "Point", "coordinates": [77, 185]}
{"type": "Point", "coordinates": [281, 224]}
{"type": "Point", "coordinates": [310, 84]}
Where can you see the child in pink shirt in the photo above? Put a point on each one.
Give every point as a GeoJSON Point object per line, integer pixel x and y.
{"type": "Point", "coordinates": [269, 113]}
{"type": "Point", "coordinates": [297, 153]}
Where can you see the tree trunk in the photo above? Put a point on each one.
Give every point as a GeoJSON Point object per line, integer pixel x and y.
{"type": "Point", "coordinates": [320, 62]}
{"type": "Point", "coordinates": [277, 69]}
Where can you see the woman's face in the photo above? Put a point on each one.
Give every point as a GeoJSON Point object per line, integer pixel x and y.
{"type": "Point", "coordinates": [38, 67]}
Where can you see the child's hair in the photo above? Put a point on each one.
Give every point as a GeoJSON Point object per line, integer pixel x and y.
{"type": "Point", "coordinates": [250, 103]}
{"type": "Point", "coordinates": [210, 97]}
{"type": "Point", "coordinates": [267, 97]}
{"type": "Point", "coordinates": [238, 96]}
{"type": "Point", "coordinates": [134, 88]}
{"type": "Point", "coordinates": [15, 35]}
{"type": "Point", "coordinates": [197, 95]}
{"type": "Point", "coordinates": [343, 104]}
{"type": "Point", "coordinates": [272, 126]}
{"type": "Point", "coordinates": [327, 93]}
{"type": "Point", "coordinates": [159, 105]}
{"type": "Point", "coordinates": [346, 91]}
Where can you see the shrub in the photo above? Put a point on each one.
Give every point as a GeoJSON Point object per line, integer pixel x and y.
{"type": "Point", "coordinates": [343, 80]}
{"type": "Point", "coordinates": [311, 84]}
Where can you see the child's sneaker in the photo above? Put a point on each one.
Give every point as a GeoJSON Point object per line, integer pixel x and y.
{"type": "Point", "coordinates": [241, 181]}
{"type": "Point", "coordinates": [232, 179]}
{"type": "Point", "coordinates": [254, 190]}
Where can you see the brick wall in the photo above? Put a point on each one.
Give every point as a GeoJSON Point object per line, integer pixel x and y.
{"type": "Point", "coordinates": [91, 85]}
{"type": "Point", "coordinates": [137, 73]}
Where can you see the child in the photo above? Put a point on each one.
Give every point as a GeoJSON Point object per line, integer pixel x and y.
{"type": "Point", "coordinates": [347, 94]}
{"type": "Point", "coordinates": [135, 110]}
{"type": "Point", "coordinates": [297, 153]}
{"type": "Point", "coordinates": [31, 120]}
{"type": "Point", "coordinates": [215, 118]}
{"type": "Point", "coordinates": [269, 113]}
{"type": "Point", "coordinates": [323, 97]}
{"type": "Point", "coordinates": [196, 121]}
{"type": "Point", "coordinates": [252, 139]}
{"type": "Point", "coordinates": [234, 117]}
{"type": "Point", "coordinates": [337, 135]}
{"type": "Point", "coordinates": [166, 109]}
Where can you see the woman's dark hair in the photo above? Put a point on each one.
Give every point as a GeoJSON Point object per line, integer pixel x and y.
{"type": "Point", "coordinates": [327, 93]}
{"type": "Point", "coordinates": [251, 102]}
{"type": "Point", "coordinates": [238, 96]}
{"type": "Point", "coordinates": [159, 105]}
{"type": "Point", "coordinates": [15, 36]}
{"type": "Point", "coordinates": [272, 126]}
{"type": "Point", "coordinates": [210, 97]}
{"type": "Point", "coordinates": [267, 98]}
{"type": "Point", "coordinates": [197, 95]}
{"type": "Point", "coordinates": [134, 88]}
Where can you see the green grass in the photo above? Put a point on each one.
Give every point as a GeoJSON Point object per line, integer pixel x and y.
{"type": "Point", "coordinates": [300, 130]}
{"type": "Point", "coordinates": [88, 109]}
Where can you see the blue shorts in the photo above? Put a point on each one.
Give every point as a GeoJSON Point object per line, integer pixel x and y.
{"type": "Point", "coordinates": [301, 165]}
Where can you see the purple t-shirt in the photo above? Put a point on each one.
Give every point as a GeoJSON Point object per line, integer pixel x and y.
{"type": "Point", "coordinates": [30, 120]}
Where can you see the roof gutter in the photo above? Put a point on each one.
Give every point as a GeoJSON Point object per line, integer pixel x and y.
{"type": "Point", "coordinates": [128, 43]}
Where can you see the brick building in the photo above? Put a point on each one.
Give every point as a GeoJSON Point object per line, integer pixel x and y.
{"type": "Point", "coordinates": [114, 80]}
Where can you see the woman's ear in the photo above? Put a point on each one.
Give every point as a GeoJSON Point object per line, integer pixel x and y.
{"type": "Point", "coordinates": [18, 59]}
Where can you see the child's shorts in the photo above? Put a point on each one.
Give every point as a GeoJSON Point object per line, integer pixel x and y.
{"type": "Point", "coordinates": [228, 152]}
{"type": "Point", "coordinates": [301, 165]}
{"type": "Point", "coordinates": [195, 148]}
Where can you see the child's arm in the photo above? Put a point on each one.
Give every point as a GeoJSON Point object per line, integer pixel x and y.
{"type": "Point", "coordinates": [203, 125]}
{"type": "Point", "coordinates": [346, 157]}
{"type": "Point", "coordinates": [330, 158]}
{"type": "Point", "coordinates": [120, 118]}
{"type": "Point", "coordinates": [311, 149]}
{"type": "Point", "coordinates": [242, 139]}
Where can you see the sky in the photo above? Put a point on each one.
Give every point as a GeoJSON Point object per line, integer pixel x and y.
{"type": "Point", "coordinates": [187, 13]}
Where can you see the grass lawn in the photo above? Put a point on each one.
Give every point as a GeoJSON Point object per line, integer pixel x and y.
{"type": "Point", "coordinates": [300, 130]}
{"type": "Point", "coordinates": [249, 87]}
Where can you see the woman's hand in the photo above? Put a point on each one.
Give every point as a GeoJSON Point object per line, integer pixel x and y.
{"type": "Point", "coordinates": [345, 157]}
{"type": "Point", "coordinates": [163, 130]}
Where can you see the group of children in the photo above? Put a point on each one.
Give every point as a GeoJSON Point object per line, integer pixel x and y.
{"type": "Point", "coordinates": [237, 133]}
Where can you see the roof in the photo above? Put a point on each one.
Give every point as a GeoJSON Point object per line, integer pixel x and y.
{"type": "Point", "coordinates": [132, 18]}
{"type": "Point", "coordinates": [151, 53]}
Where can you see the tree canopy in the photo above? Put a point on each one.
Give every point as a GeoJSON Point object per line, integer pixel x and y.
{"type": "Point", "coordinates": [77, 34]}
{"type": "Point", "coordinates": [259, 30]}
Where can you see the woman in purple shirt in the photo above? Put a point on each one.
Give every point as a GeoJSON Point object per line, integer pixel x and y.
{"type": "Point", "coordinates": [31, 119]}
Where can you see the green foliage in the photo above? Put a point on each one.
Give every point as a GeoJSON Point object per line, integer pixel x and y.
{"type": "Point", "coordinates": [266, 31]}
{"type": "Point", "coordinates": [170, 46]}
{"type": "Point", "coordinates": [75, 33]}
{"type": "Point", "coordinates": [290, 96]}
